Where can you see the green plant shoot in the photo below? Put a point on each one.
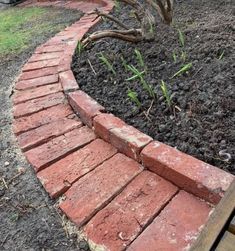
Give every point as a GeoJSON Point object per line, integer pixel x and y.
{"type": "Point", "coordinates": [124, 63]}
{"type": "Point", "coordinates": [183, 56]}
{"type": "Point", "coordinates": [165, 93]}
{"type": "Point", "coordinates": [107, 63]}
{"type": "Point", "coordinates": [139, 75]}
{"type": "Point", "coordinates": [184, 69]}
{"type": "Point", "coordinates": [174, 57]}
{"type": "Point", "coordinates": [139, 58]}
{"type": "Point", "coordinates": [117, 5]}
{"type": "Point", "coordinates": [79, 48]}
{"type": "Point", "coordinates": [221, 55]}
{"type": "Point", "coordinates": [181, 38]}
{"type": "Point", "coordinates": [133, 96]}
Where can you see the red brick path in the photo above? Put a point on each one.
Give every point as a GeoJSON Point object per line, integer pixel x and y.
{"type": "Point", "coordinates": [123, 189]}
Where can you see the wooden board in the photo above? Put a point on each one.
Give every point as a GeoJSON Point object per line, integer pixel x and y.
{"type": "Point", "coordinates": [227, 243]}
{"type": "Point", "coordinates": [216, 222]}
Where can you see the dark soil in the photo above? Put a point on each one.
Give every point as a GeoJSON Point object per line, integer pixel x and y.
{"type": "Point", "coordinates": [28, 218]}
{"type": "Point", "coordinates": [201, 120]}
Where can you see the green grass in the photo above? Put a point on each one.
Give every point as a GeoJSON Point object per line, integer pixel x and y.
{"type": "Point", "coordinates": [18, 27]}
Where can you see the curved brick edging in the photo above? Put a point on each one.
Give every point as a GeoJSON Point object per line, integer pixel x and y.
{"type": "Point", "coordinates": [70, 160]}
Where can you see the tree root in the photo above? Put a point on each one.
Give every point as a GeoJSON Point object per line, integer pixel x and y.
{"type": "Point", "coordinates": [133, 36]}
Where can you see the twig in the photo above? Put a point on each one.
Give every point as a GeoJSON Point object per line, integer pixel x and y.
{"type": "Point", "coordinates": [148, 111]}
{"type": "Point", "coordinates": [4, 183]}
{"type": "Point", "coordinates": [110, 17]}
{"type": "Point", "coordinates": [14, 177]}
{"type": "Point", "coordinates": [89, 62]}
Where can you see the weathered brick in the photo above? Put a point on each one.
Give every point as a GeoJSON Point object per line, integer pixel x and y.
{"type": "Point", "coordinates": [35, 82]}
{"type": "Point", "coordinates": [98, 188]}
{"type": "Point", "coordinates": [66, 61]}
{"type": "Point", "coordinates": [41, 64]}
{"type": "Point", "coordinates": [58, 177]}
{"type": "Point", "coordinates": [191, 174]}
{"type": "Point", "coordinates": [129, 140]}
{"type": "Point", "coordinates": [38, 73]}
{"type": "Point", "coordinates": [103, 123]}
{"type": "Point", "coordinates": [25, 95]}
{"type": "Point", "coordinates": [85, 106]}
{"type": "Point", "coordinates": [38, 104]}
{"type": "Point", "coordinates": [57, 148]}
{"type": "Point", "coordinates": [50, 48]}
{"type": "Point", "coordinates": [119, 223]}
{"type": "Point", "coordinates": [35, 120]}
{"type": "Point", "coordinates": [177, 226]}
{"type": "Point", "coordinates": [46, 132]}
{"type": "Point", "coordinates": [45, 56]}
{"type": "Point", "coordinates": [68, 81]}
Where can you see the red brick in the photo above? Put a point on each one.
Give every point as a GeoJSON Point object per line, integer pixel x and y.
{"type": "Point", "coordinates": [59, 39]}
{"type": "Point", "coordinates": [38, 104]}
{"type": "Point", "coordinates": [65, 62]}
{"type": "Point", "coordinates": [129, 140]}
{"type": "Point", "coordinates": [93, 191]}
{"type": "Point", "coordinates": [45, 56]}
{"type": "Point", "coordinates": [68, 81]}
{"type": "Point", "coordinates": [191, 174]}
{"type": "Point", "coordinates": [35, 120]}
{"type": "Point", "coordinates": [50, 48]}
{"type": "Point", "coordinates": [68, 32]}
{"type": "Point", "coordinates": [35, 82]}
{"type": "Point", "coordinates": [57, 148]}
{"type": "Point", "coordinates": [41, 64]}
{"type": "Point", "coordinates": [38, 73]}
{"type": "Point", "coordinates": [46, 132]}
{"type": "Point", "coordinates": [177, 226]}
{"type": "Point", "coordinates": [103, 123]}
{"type": "Point", "coordinates": [118, 224]}
{"type": "Point", "coordinates": [22, 96]}
{"type": "Point", "coordinates": [58, 177]}
{"type": "Point", "coordinates": [85, 106]}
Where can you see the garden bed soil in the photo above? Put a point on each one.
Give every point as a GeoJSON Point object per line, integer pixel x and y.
{"type": "Point", "coordinates": [202, 120]}
{"type": "Point", "coordinates": [28, 217]}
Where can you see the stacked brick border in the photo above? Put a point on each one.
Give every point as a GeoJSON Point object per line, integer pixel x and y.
{"type": "Point", "coordinates": [36, 108]}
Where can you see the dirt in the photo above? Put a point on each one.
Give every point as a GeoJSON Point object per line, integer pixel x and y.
{"type": "Point", "coordinates": [29, 219]}
{"type": "Point", "coordinates": [200, 119]}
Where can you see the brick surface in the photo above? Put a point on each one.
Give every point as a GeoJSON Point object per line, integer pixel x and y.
{"type": "Point", "coordinates": [103, 123]}
{"type": "Point", "coordinates": [38, 104]}
{"type": "Point", "coordinates": [50, 48]}
{"type": "Point", "coordinates": [193, 175]}
{"type": "Point", "coordinates": [41, 118]}
{"type": "Point", "coordinates": [65, 62]}
{"type": "Point", "coordinates": [124, 218]}
{"type": "Point", "coordinates": [68, 81]}
{"type": "Point", "coordinates": [43, 133]}
{"type": "Point", "coordinates": [85, 106]}
{"type": "Point", "coordinates": [22, 96]}
{"type": "Point", "coordinates": [58, 177]}
{"type": "Point", "coordinates": [38, 73]}
{"type": "Point", "coordinates": [35, 82]}
{"type": "Point", "coordinates": [178, 225]}
{"type": "Point", "coordinates": [41, 64]}
{"type": "Point", "coordinates": [98, 188]}
{"type": "Point", "coordinates": [45, 56]}
{"type": "Point", "coordinates": [57, 148]}
{"type": "Point", "coordinates": [129, 140]}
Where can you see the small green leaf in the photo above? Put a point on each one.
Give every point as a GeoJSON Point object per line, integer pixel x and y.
{"type": "Point", "coordinates": [184, 69]}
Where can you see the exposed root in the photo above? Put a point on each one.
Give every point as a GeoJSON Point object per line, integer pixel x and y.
{"type": "Point", "coordinates": [127, 35]}
{"type": "Point", "coordinates": [143, 15]}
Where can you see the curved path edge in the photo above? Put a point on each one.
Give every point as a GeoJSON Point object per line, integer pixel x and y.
{"type": "Point", "coordinates": [101, 166]}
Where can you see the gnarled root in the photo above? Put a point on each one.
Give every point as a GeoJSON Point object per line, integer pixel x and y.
{"type": "Point", "coordinates": [133, 36]}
